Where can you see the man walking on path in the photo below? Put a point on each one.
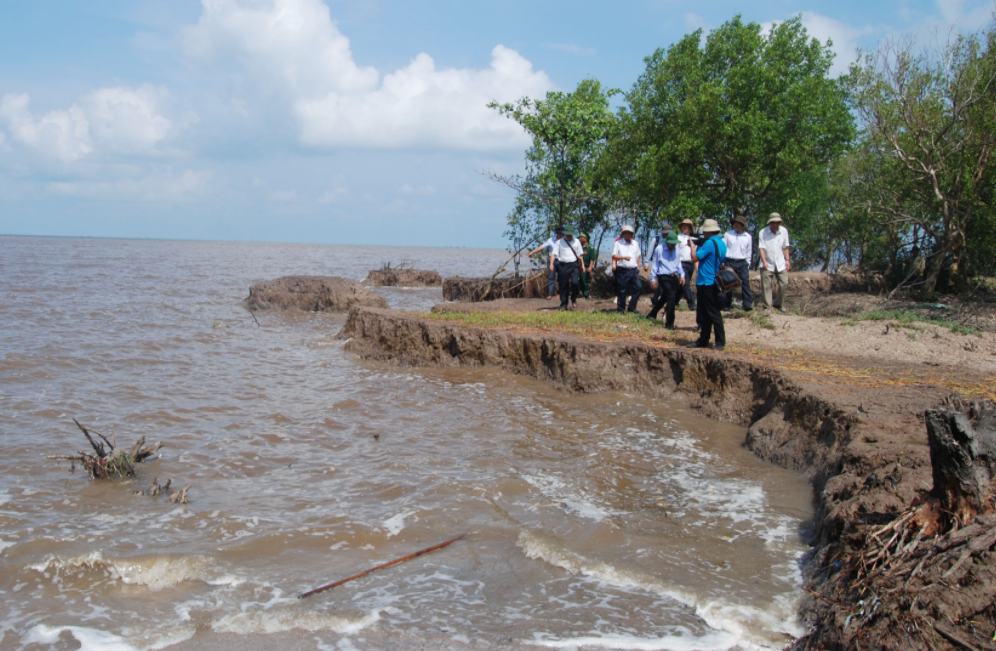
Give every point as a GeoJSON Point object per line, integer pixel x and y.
{"type": "Point", "coordinates": [590, 258]}
{"type": "Point", "coordinates": [773, 245]}
{"type": "Point", "coordinates": [669, 275]}
{"type": "Point", "coordinates": [647, 264]}
{"type": "Point", "coordinates": [687, 247]}
{"type": "Point", "coordinates": [548, 246]}
{"type": "Point", "coordinates": [626, 255]}
{"type": "Point", "coordinates": [567, 260]}
{"type": "Point", "coordinates": [710, 257]}
{"type": "Point", "coordinates": [739, 251]}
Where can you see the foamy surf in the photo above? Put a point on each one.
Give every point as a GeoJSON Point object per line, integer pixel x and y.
{"type": "Point", "coordinates": [735, 624]}
{"type": "Point", "coordinates": [92, 639]}
{"type": "Point", "coordinates": [154, 572]}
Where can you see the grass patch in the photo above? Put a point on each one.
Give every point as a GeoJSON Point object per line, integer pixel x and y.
{"type": "Point", "coordinates": [909, 320]}
{"type": "Point", "coordinates": [761, 320]}
{"type": "Point", "coordinates": [603, 326]}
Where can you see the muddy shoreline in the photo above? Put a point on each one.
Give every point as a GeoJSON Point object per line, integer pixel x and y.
{"type": "Point", "coordinates": [864, 451]}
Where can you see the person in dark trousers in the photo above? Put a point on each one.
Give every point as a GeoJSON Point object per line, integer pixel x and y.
{"type": "Point", "coordinates": [568, 260]}
{"type": "Point", "coordinates": [647, 264]}
{"type": "Point", "coordinates": [710, 257]}
{"type": "Point", "coordinates": [686, 246]}
{"type": "Point", "coordinates": [590, 258]}
{"type": "Point", "coordinates": [739, 252]}
{"type": "Point", "coordinates": [668, 274]}
{"type": "Point", "coordinates": [548, 245]}
{"type": "Point", "coordinates": [626, 256]}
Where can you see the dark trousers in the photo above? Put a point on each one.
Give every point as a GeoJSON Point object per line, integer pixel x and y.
{"type": "Point", "coordinates": [568, 274]}
{"type": "Point", "coordinates": [670, 287]}
{"type": "Point", "coordinates": [743, 271]}
{"type": "Point", "coordinates": [628, 283]}
{"type": "Point", "coordinates": [551, 283]}
{"type": "Point", "coordinates": [709, 316]}
{"type": "Point", "coordinates": [657, 294]}
{"type": "Point", "coordinates": [689, 291]}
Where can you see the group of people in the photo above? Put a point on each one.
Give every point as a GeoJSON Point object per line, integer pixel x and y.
{"type": "Point", "coordinates": [678, 260]}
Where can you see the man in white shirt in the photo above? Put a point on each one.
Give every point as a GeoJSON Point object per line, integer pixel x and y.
{"type": "Point", "coordinates": [739, 252]}
{"type": "Point", "coordinates": [686, 247]}
{"type": "Point", "coordinates": [548, 246]}
{"type": "Point", "coordinates": [773, 245]}
{"type": "Point", "coordinates": [626, 256]}
{"type": "Point", "coordinates": [567, 261]}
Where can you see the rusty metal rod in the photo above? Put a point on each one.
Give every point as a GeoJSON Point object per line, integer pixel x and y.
{"type": "Point", "coordinates": [380, 567]}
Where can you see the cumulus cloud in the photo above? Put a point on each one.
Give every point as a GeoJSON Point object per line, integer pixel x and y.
{"type": "Point", "coordinates": [294, 49]}
{"type": "Point", "coordinates": [159, 185]}
{"type": "Point", "coordinates": [844, 37]}
{"type": "Point", "coordinates": [114, 120]}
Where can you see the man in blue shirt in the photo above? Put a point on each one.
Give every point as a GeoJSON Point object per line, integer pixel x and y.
{"type": "Point", "coordinates": [710, 257]}
{"type": "Point", "coordinates": [667, 272]}
{"type": "Point", "coordinates": [549, 246]}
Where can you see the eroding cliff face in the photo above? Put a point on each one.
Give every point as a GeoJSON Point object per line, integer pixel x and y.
{"type": "Point", "coordinates": [311, 294]}
{"type": "Point", "coordinates": [867, 468]}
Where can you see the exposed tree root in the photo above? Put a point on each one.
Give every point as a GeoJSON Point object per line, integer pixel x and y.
{"type": "Point", "coordinates": [176, 496]}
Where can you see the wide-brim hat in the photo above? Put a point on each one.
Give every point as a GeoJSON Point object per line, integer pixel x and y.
{"type": "Point", "coordinates": [569, 230]}
{"type": "Point", "coordinates": [666, 228]}
{"type": "Point", "coordinates": [711, 226]}
{"type": "Point", "coordinates": [672, 238]}
{"type": "Point", "coordinates": [627, 229]}
{"type": "Point", "coordinates": [774, 217]}
{"type": "Point", "coordinates": [689, 222]}
{"type": "Point", "coordinates": [740, 218]}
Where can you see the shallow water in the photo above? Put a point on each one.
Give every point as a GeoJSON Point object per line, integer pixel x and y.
{"type": "Point", "coordinates": [603, 521]}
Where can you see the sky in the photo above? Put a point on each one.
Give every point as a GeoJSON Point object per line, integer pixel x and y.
{"type": "Point", "coordinates": [329, 121]}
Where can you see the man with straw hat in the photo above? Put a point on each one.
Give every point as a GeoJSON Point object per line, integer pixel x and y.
{"type": "Point", "coordinates": [773, 245]}
{"type": "Point", "coordinates": [739, 252]}
{"type": "Point", "coordinates": [626, 256]}
{"type": "Point", "coordinates": [590, 258]}
{"type": "Point", "coordinates": [669, 275]}
{"type": "Point", "coordinates": [686, 246]}
{"type": "Point", "coordinates": [567, 260]}
{"type": "Point", "coordinates": [710, 257]}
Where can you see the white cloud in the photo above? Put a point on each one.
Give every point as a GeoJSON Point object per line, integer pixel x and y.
{"type": "Point", "coordinates": [339, 190]}
{"type": "Point", "coordinates": [114, 120]}
{"type": "Point", "coordinates": [959, 13]}
{"type": "Point", "coordinates": [844, 37]}
{"type": "Point", "coordinates": [159, 185]}
{"type": "Point", "coordinates": [293, 49]}
{"type": "Point", "coordinates": [424, 191]}
{"type": "Point", "coordinates": [567, 48]}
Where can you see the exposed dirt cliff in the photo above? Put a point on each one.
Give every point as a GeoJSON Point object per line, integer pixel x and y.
{"type": "Point", "coordinates": [403, 278]}
{"type": "Point", "coordinates": [865, 450]}
{"type": "Point", "coordinates": [311, 294]}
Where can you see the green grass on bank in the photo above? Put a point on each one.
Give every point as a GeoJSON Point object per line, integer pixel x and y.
{"type": "Point", "coordinates": [606, 325]}
{"type": "Point", "coordinates": [909, 320]}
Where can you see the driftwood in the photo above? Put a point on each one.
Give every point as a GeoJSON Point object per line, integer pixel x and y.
{"type": "Point", "coordinates": [108, 461]}
{"type": "Point", "coordinates": [176, 496]}
{"type": "Point", "coordinates": [381, 567]}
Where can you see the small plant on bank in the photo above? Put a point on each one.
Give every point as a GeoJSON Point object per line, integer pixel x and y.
{"type": "Point", "coordinates": [909, 320]}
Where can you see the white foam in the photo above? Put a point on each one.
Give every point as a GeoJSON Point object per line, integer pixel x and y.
{"type": "Point", "coordinates": [4, 544]}
{"type": "Point", "coordinates": [395, 524]}
{"type": "Point", "coordinates": [556, 490]}
{"type": "Point", "coordinates": [155, 572]}
{"type": "Point", "coordinates": [90, 639]}
{"type": "Point", "coordinates": [276, 620]}
{"type": "Point", "coordinates": [713, 642]}
{"type": "Point", "coordinates": [742, 623]}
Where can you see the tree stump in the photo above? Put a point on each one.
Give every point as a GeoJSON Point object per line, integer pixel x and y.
{"type": "Point", "coordinates": [962, 438]}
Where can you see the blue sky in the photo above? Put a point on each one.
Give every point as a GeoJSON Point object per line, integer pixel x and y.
{"type": "Point", "coordinates": [326, 120]}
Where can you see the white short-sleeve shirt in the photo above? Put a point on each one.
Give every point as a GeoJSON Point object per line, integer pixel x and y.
{"type": "Point", "coordinates": [620, 248]}
{"type": "Point", "coordinates": [738, 246]}
{"type": "Point", "coordinates": [774, 245]}
{"type": "Point", "coordinates": [685, 247]}
{"type": "Point", "coordinates": [568, 251]}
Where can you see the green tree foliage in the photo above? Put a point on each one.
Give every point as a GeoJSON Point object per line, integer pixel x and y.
{"type": "Point", "coordinates": [747, 120]}
{"type": "Point", "coordinates": [930, 126]}
{"type": "Point", "coordinates": [569, 132]}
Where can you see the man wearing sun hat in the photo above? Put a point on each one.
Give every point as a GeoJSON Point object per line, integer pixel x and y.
{"type": "Point", "coordinates": [668, 273]}
{"type": "Point", "coordinates": [590, 257]}
{"type": "Point", "coordinates": [686, 246]}
{"type": "Point", "coordinates": [739, 252]}
{"type": "Point", "coordinates": [710, 257]}
{"type": "Point", "coordinates": [626, 256]}
{"type": "Point", "coordinates": [548, 245]}
{"type": "Point", "coordinates": [773, 245]}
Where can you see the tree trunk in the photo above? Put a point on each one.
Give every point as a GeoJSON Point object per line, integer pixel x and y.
{"type": "Point", "coordinates": [962, 438]}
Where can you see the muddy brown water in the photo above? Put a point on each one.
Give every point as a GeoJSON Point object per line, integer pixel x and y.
{"type": "Point", "coordinates": [596, 521]}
